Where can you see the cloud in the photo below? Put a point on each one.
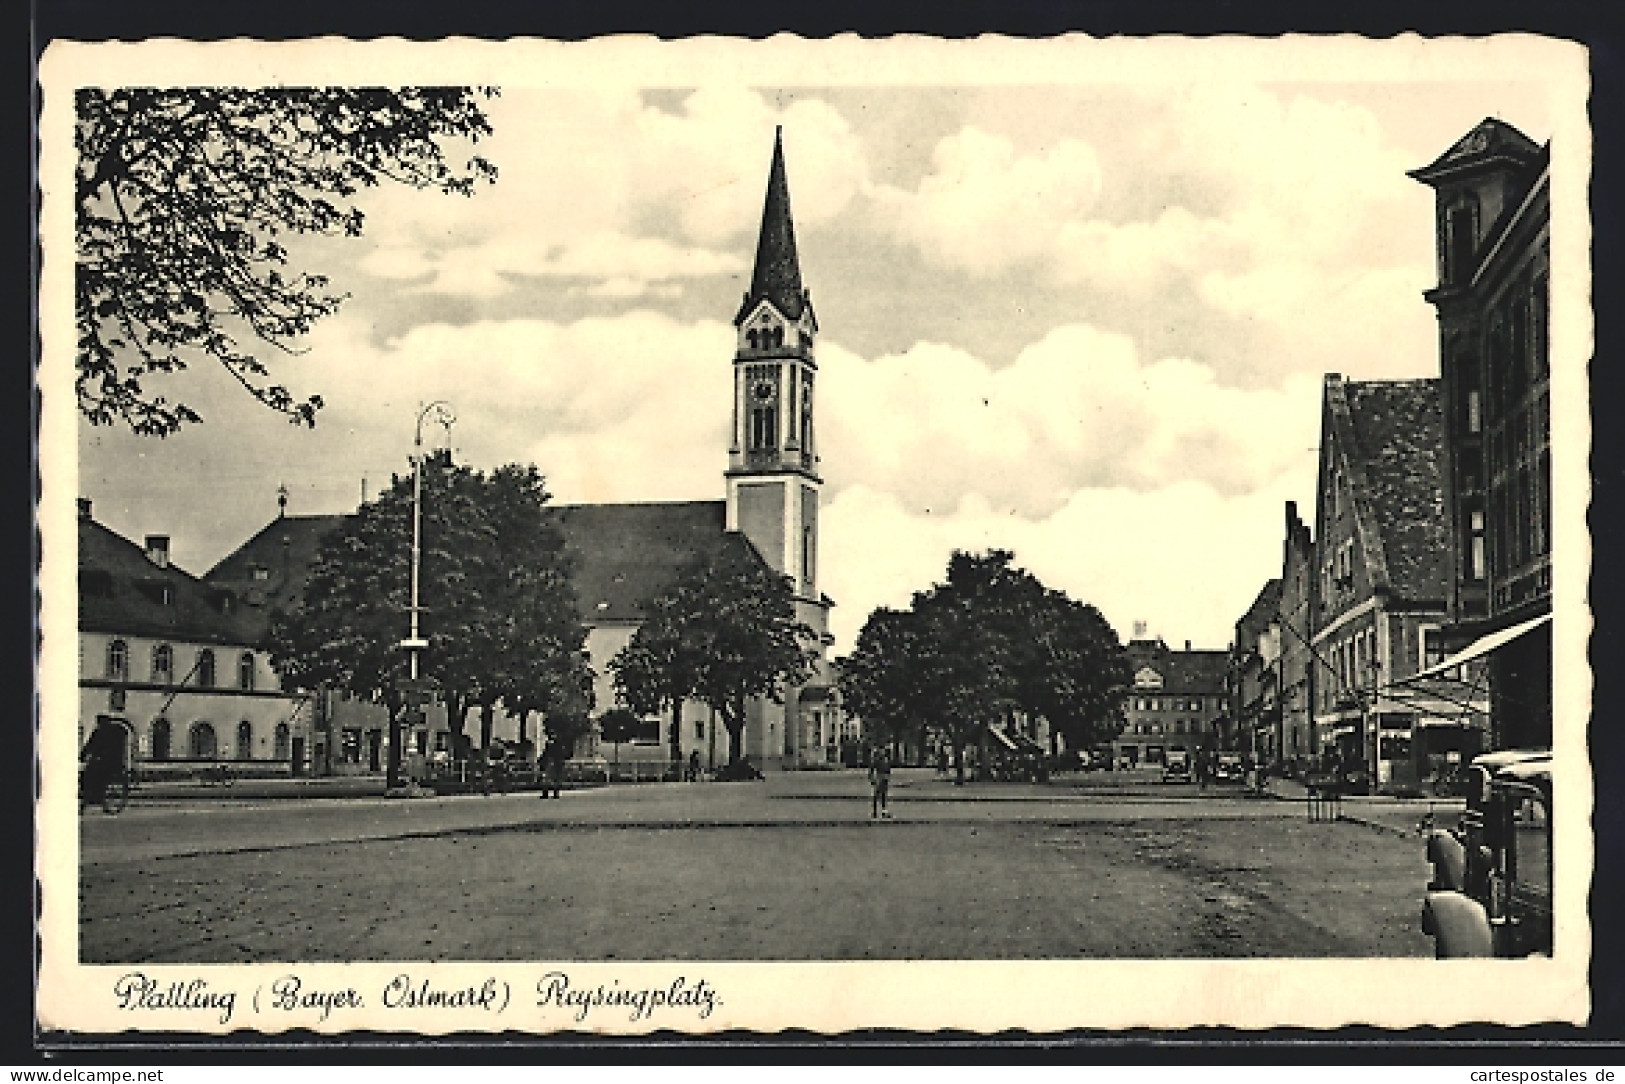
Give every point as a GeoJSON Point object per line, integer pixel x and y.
{"type": "Point", "coordinates": [983, 208]}
{"type": "Point", "coordinates": [1077, 409]}
{"type": "Point", "coordinates": [1184, 558]}
{"type": "Point", "coordinates": [599, 187]}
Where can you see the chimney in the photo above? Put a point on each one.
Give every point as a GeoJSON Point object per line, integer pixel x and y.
{"type": "Point", "coordinates": [1187, 645]}
{"type": "Point", "coordinates": [1139, 630]}
{"type": "Point", "coordinates": [158, 549]}
{"type": "Point", "coordinates": [84, 510]}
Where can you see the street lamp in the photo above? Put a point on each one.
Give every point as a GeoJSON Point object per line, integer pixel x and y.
{"type": "Point", "coordinates": [416, 693]}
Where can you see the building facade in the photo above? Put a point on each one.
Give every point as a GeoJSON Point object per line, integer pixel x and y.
{"type": "Point", "coordinates": [1492, 225]}
{"type": "Point", "coordinates": [1254, 677]}
{"type": "Point", "coordinates": [1382, 584]}
{"type": "Point", "coordinates": [176, 663]}
{"type": "Point", "coordinates": [1295, 619]}
{"type": "Point", "coordinates": [1175, 702]}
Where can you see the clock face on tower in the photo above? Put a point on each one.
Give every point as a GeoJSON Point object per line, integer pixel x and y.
{"type": "Point", "coordinates": [764, 391]}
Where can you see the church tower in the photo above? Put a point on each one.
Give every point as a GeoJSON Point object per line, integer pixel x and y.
{"type": "Point", "coordinates": [772, 478]}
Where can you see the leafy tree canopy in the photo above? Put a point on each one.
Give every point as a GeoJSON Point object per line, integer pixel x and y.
{"type": "Point", "coordinates": [725, 632]}
{"type": "Point", "coordinates": [185, 200]}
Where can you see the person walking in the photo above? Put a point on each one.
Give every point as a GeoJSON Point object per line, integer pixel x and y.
{"type": "Point", "coordinates": [694, 766]}
{"type": "Point", "coordinates": [552, 768]}
{"type": "Point", "coordinates": [880, 780]}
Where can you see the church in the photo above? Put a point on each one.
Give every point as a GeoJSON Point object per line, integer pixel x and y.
{"type": "Point", "coordinates": [624, 554]}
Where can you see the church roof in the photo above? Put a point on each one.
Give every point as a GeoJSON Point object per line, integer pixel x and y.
{"type": "Point", "coordinates": [1392, 437]}
{"type": "Point", "coordinates": [122, 592]}
{"type": "Point", "coordinates": [624, 554]}
{"type": "Point", "coordinates": [1491, 142]}
{"type": "Point", "coordinates": [777, 276]}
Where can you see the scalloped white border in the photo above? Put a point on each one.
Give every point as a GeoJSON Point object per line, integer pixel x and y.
{"type": "Point", "coordinates": [975, 996]}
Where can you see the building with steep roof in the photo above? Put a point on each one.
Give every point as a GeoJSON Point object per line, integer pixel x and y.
{"type": "Point", "coordinates": [1175, 703]}
{"type": "Point", "coordinates": [1254, 678]}
{"type": "Point", "coordinates": [178, 663]}
{"type": "Point", "coordinates": [1492, 224]}
{"type": "Point", "coordinates": [622, 555]}
{"type": "Point", "coordinates": [1296, 613]}
{"type": "Point", "coordinates": [1383, 581]}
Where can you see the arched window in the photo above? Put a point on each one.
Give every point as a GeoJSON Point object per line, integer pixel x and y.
{"type": "Point", "coordinates": [160, 739]}
{"type": "Point", "coordinates": [245, 740]}
{"type": "Point", "coordinates": [205, 669]}
{"type": "Point", "coordinates": [118, 661]}
{"type": "Point", "coordinates": [280, 745]}
{"type": "Point", "coordinates": [245, 671]}
{"type": "Point", "coordinates": [163, 664]}
{"type": "Point", "coordinates": [200, 743]}
{"type": "Point", "coordinates": [778, 336]}
{"type": "Point", "coordinates": [754, 339]}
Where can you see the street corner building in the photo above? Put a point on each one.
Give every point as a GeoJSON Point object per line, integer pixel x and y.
{"type": "Point", "coordinates": [1493, 227]}
{"type": "Point", "coordinates": [622, 556]}
{"type": "Point", "coordinates": [179, 664]}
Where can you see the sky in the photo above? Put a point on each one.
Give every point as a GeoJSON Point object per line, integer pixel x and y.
{"type": "Point", "coordinates": [1086, 322]}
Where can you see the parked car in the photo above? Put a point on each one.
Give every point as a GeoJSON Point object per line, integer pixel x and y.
{"type": "Point", "coordinates": [1491, 890]}
{"type": "Point", "coordinates": [1177, 768]}
{"type": "Point", "coordinates": [1229, 768]}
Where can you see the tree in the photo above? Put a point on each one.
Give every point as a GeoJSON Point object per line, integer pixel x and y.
{"type": "Point", "coordinates": [733, 622]}
{"type": "Point", "coordinates": [617, 725]}
{"type": "Point", "coordinates": [989, 641]}
{"type": "Point", "coordinates": [659, 667]}
{"type": "Point", "coordinates": [185, 199]}
{"type": "Point", "coordinates": [497, 609]}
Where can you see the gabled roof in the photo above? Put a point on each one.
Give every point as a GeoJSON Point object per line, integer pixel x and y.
{"type": "Point", "coordinates": [122, 592]}
{"type": "Point", "coordinates": [777, 275]}
{"type": "Point", "coordinates": [1199, 672]}
{"type": "Point", "coordinates": [285, 549]}
{"type": "Point", "coordinates": [1491, 143]}
{"type": "Point", "coordinates": [1392, 439]}
{"type": "Point", "coordinates": [1265, 609]}
{"type": "Point", "coordinates": [625, 554]}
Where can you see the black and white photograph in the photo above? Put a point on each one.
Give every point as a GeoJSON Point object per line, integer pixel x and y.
{"type": "Point", "coordinates": [630, 535]}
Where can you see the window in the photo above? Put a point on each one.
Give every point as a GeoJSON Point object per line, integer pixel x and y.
{"type": "Point", "coordinates": [163, 665]}
{"type": "Point", "coordinates": [159, 740]}
{"type": "Point", "coordinates": [115, 699]}
{"type": "Point", "coordinates": [1475, 551]}
{"type": "Point", "coordinates": [200, 742]}
{"type": "Point", "coordinates": [205, 669]}
{"type": "Point", "coordinates": [1432, 646]}
{"type": "Point", "coordinates": [699, 729]}
{"type": "Point", "coordinates": [281, 742]}
{"type": "Point", "coordinates": [1475, 412]}
{"type": "Point", "coordinates": [350, 745]}
{"type": "Point", "coordinates": [1460, 242]}
{"type": "Point", "coordinates": [118, 661]}
{"type": "Point", "coordinates": [245, 671]}
{"type": "Point", "coordinates": [245, 740]}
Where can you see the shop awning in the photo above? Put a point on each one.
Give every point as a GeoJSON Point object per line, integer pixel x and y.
{"type": "Point", "coordinates": [1478, 649]}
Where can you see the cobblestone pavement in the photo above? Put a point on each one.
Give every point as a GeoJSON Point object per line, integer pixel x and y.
{"type": "Point", "coordinates": [789, 868]}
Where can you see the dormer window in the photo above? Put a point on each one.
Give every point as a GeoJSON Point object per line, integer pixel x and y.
{"type": "Point", "coordinates": [259, 574]}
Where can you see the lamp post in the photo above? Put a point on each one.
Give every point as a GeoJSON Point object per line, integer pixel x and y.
{"type": "Point", "coordinates": [416, 693]}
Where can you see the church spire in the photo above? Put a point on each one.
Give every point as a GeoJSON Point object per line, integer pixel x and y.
{"type": "Point", "coordinates": [777, 276]}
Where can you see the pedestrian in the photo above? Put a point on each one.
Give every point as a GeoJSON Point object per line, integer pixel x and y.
{"type": "Point", "coordinates": [880, 780]}
{"type": "Point", "coordinates": [552, 768]}
{"type": "Point", "coordinates": [694, 766]}
{"type": "Point", "coordinates": [102, 758]}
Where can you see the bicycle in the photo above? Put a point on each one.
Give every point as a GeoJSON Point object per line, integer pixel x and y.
{"type": "Point", "coordinates": [115, 794]}
{"type": "Point", "coordinates": [217, 774]}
